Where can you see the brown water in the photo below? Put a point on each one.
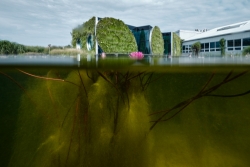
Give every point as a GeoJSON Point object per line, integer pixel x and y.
{"type": "Point", "coordinates": [134, 113]}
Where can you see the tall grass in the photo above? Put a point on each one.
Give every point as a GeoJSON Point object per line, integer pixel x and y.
{"type": "Point", "coordinates": [68, 51]}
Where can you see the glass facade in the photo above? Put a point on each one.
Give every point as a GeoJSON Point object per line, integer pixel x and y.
{"type": "Point", "coordinates": [212, 46]}
{"type": "Point", "coordinates": [234, 44]}
{"type": "Point", "coordinates": [205, 47]}
{"type": "Point", "coordinates": [167, 43]}
{"type": "Point", "coordinates": [217, 44]}
{"type": "Point", "coordinates": [142, 37]}
{"type": "Point", "coordinates": [246, 42]}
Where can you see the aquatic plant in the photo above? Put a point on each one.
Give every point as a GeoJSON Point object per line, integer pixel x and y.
{"type": "Point", "coordinates": [72, 118]}
{"type": "Point", "coordinates": [136, 55]}
{"type": "Point", "coordinates": [205, 91]}
{"type": "Point", "coordinates": [69, 126]}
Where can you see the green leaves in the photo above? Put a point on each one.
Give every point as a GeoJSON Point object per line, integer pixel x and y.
{"type": "Point", "coordinates": [222, 46]}
{"type": "Point", "coordinates": [196, 47]}
{"type": "Point", "coordinates": [246, 51]}
{"type": "Point", "coordinates": [115, 37]}
{"type": "Point", "coordinates": [82, 32]}
{"type": "Point", "coordinates": [157, 42]}
{"type": "Point", "coordinates": [7, 47]}
{"type": "Point", "coordinates": [177, 45]}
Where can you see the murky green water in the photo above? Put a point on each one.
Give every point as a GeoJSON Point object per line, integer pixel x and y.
{"type": "Point", "coordinates": [131, 116]}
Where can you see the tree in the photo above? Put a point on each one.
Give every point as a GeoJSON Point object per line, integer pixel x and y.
{"type": "Point", "coordinates": [246, 51]}
{"type": "Point", "coordinates": [222, 46]}
{"type": "Point", "coordinates": [196, 47]}
{"type": "Point", "coordinates": [5, 47]}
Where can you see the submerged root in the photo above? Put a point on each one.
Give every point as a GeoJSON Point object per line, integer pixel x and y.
{"type": "Point", "coordinates": [203, 92]}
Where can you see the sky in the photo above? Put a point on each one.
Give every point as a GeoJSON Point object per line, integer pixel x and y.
{"type": "Point", "coordinates": [43, 22]}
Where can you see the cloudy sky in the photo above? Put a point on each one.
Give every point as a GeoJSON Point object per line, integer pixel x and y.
{"type": "Point", "coordinates": [43, 22]}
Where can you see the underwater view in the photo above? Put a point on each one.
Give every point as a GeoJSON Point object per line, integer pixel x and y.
{"type": "Point", "coordinates": [153, 112]}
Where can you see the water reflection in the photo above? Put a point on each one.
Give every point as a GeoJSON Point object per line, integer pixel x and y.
{"type": "Point", "coordinates": [107, 60]}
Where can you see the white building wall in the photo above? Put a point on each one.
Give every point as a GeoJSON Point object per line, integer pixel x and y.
{"type": "Point", "coordinates": [217, 38]}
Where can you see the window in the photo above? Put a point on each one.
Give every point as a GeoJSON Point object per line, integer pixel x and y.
{"type": "Point", "coordinates": [246, 42]}
{"type": "Point", "coordinates": [202, 47]}
{"type": "Point", "coordinates": [206, 45]}
{"type": "Point", "coordinates": [230, 43]}
{"type": "Point", "coordinates": [212, 46]}
{"type": "Point", "coordinates": [237, 42]}
{"type": "Point", "coordinates": [217, 45]}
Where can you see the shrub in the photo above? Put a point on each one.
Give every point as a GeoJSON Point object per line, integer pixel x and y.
{"type": "Point", "coordinates": [196, 47]}
{"type": "Point", "coordinates": [6, 47]}
{"type": "Point", "coordinates": [115, 37]}
{"type": "Point", "coordinates": [222, 46]}
{"type": "Point", "coordinates": [246, 51]}
{"type": "Point", "coordinates": [157, 43]}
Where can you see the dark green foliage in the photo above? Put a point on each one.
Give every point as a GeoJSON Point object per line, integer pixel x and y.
{"type": "Point", "coordinates": [177, 45]}
{"type": "Point", "coordinates": [157, 43]}
{"type": "Point", "coordinates": [222, 46]}
{"type": "Point", "coordinates": [7, 47]}
{"type": "Point", "coordinates": [196, 47]}
{"type": "Point", "coordinates": [246, 51]}
{"type": "Point", "coordinates": [35, 49]}
{"type": "Point", "coordinates": [80, 33]}
{"type": "Point", "coordinates": [76, 35]}
{"type": "Point", "coordinates": [88, 29]}
{"type": "Point", "coordinates": [115, 37]}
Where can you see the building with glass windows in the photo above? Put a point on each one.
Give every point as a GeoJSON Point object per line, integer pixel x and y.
{"type": "Point", "coordinates": [237, 37]}
{"type": "Point", "coordinates": [142, 37]}
{"type": "Point", "coordinates": [167, 42]}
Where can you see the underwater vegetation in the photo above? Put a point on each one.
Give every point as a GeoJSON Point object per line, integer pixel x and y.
{"type": "Point", "coordinates": [130, 118]}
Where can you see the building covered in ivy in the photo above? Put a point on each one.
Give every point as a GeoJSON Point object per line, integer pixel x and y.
{"type": "Point", "coordinates": [231, 38]}
{"type": "Point", "coordinates": [111, 35]}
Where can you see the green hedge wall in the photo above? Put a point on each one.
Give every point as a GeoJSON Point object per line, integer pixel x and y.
{"type": "Point", "coordinates": [157, 42]}
{"type": "Point", "coordinates": [114, 36]}
{"type": "Point", "coordinates": [82, 32]}
{"type": "Point", "coordinates": [88, 29]}
{"type": "Point", "coordinates": [177, 45]}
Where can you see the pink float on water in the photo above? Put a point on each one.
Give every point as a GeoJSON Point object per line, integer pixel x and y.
{"type": "Point", "coordinates": [136, 55]}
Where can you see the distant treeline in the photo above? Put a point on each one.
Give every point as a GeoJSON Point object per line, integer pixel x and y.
{"type": "Point", "coordinates": [7, 47]}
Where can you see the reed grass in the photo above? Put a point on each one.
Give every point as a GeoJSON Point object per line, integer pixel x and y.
{"type": "Point", "coordinates": [69, 51]}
